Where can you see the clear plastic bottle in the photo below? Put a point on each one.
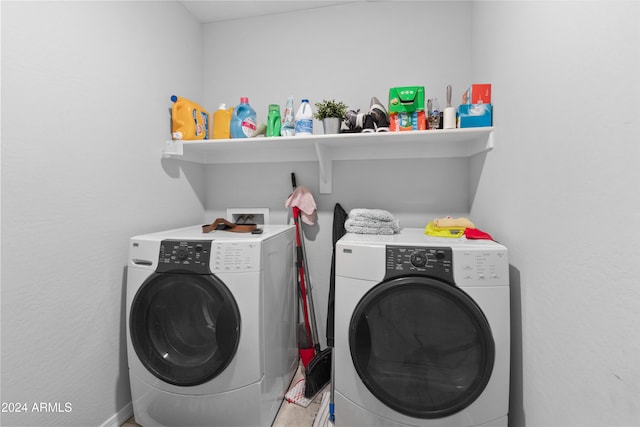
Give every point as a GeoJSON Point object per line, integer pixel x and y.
{"type": "Point", "coordinates": [433, 113]}
{"type": "Point", "coordinates": [244, 120]}
{"type": "Point", "coordinates": [304, 119]}
{"type": "Point", "coordinates": [288, 127]}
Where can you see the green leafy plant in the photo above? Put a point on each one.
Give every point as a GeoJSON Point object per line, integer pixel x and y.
{"type": "Point", "coordinates": [331, 108]}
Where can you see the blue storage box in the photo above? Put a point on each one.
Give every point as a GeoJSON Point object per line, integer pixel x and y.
{"type": "Point", "coordinates": [475, 115]}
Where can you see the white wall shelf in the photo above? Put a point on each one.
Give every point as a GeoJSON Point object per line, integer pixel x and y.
{"type": "Point", "coordinates": [327, 148]}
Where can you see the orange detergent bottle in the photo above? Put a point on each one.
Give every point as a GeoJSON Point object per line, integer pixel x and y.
{"type": "Point", "coordinates": [222, 122]}
{"type": "Point", "coordinates": [189, 121]}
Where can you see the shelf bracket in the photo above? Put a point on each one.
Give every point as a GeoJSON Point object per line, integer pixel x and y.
{"type": "Point", "coordinates": [172, 148]}
{"type": "Point", "coordinates": [490, 142]}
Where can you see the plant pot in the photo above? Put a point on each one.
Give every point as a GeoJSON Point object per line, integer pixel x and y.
{"type": "Point", "coordinates": [331, 125]}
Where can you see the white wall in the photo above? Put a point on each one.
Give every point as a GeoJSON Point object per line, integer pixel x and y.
{"type": "Point", "coordinates": [85, 98]}
{"type": "Point", "coordinates": [82, 173]}
{"type": "Point", "coordinates": [342, 52]}
{"type": "Point", "coordinates": [560, 190]}
{"type": "Point", "coordinates": [350, 52]}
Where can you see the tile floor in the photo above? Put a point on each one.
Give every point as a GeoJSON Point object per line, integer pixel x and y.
{"type": "Point", "coordinates": [290, 415]}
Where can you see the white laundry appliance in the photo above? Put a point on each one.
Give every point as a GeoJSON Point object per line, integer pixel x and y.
{"type": "Point", "coordinates": [211, 326]}
{"type": "Point", "coordinates": [422, 334]}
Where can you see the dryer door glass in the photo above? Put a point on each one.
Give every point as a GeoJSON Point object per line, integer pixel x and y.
{"type": "Point", "coordinates": [185, 328]}
{"type": "Point", "coordinates": [422, 347]}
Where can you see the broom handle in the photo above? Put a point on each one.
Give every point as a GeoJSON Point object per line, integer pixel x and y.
{"type": "Point", "coordinates": [300, 275]}
{"type": "Point", "coordinates": [315, 336]}
{"type": "Point", "coordinates": [303, 298]}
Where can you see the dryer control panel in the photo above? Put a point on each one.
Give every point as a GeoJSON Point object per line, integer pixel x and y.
{"type": "Point", "coordinates": [482, 267]}
{"type": "Point", "coordinates": [428, 261]}
{"type": "Point", "coordinates": [184, 256]}
{"type": "Point", "coordinates": [235, 257]}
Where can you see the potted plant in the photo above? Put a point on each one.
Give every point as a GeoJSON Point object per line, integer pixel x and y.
{"type": "Point", "coordinates": [330, 113]}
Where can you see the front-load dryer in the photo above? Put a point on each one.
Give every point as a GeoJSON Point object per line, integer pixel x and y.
{"type": "Point", "coordinates": [211, 326]}
{"type": "Point", "coordinates": [422, 331]}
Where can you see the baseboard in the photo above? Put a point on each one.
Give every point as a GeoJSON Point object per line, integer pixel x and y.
{"type": "Point", "coordinates": [119, 418]}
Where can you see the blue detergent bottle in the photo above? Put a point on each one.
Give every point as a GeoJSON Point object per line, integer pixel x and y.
{"type": "Point", "coordinates": [244, 120]}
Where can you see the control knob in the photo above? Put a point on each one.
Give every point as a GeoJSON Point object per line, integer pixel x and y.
{"type": "Point", "coordinates": [182, 254]}
{"type": "Point", "coordinates": [418, 259]}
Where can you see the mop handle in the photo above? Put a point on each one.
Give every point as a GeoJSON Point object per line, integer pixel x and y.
{"type": "Point", "coordinates": [332, 395]}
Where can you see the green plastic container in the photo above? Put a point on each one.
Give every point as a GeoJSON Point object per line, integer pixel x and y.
{"type": "Point", "coordinates": [273, 120]}
{"type": "Point", "coordinates": [406, 99]}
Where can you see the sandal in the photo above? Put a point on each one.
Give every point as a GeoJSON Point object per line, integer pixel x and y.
{"type": "Point", "coordinates": [380, 116]}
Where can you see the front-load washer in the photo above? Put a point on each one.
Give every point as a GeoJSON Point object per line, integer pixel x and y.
{"type": "Point", "coordinates": [421, 331]}
{"type": "Point", "coordinates": [211, 326]}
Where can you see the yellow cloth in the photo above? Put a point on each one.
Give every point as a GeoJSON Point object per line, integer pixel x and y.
{"type": "Point", "coordinates": [448, 222]}
{"type": "Point", "coordinates": [432, 230]}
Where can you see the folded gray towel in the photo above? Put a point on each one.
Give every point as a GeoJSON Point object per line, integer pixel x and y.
{"type": "Point", "coordinates": [371, 214]}
{"type": "Point", "coordinates": [361, 226]}
{"type": "Point", "coordinates": [369, 230]}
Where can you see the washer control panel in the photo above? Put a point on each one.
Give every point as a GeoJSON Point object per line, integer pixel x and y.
{"type": "Point", "coordinates": [184, 256]}
{"type": "Point", "coordinates": [429, 261]}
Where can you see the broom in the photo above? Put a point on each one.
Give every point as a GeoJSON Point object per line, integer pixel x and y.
{"type": "Point", "coordinates": [318, 371]}
{"type": "Point", "coordinates": [305, 342]}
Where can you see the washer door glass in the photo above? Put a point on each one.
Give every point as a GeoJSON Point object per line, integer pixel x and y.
{"type": "Point", "coordinates": [422, 347]}
{"type": "Point", "coordinates": [185, 328]}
